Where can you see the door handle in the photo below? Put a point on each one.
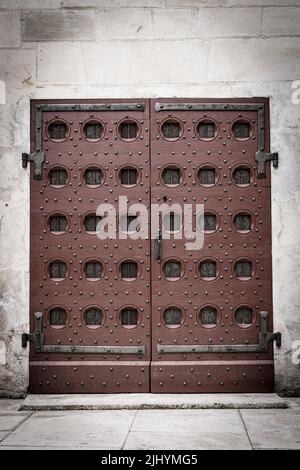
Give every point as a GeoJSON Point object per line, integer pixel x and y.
{"type": "Point", "coordinates": [159, 247]}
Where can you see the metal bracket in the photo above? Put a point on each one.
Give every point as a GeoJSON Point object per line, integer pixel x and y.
{"type": "Point", "coordinates": [264, 338]}
{"type": "Point", "coordinates": [37, 336]}
{"type": "Point", "coordinates": [38, 339]}
{"type": "Point", "coordinates": [262, 157]}
{"type": "Point", "coordinates": [159, 247]}
{"type": "Point", "coordinates": [38, 159]}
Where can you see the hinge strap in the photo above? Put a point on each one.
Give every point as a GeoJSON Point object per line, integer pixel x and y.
{"type": "Point", "coordinates": [38, 339]}
{"type": "Point", "coordinates": [262, 157]}
{"type": "Point", "coordinates": [262, 346]}
{"type": "Point", "coordinates": [38, 159]}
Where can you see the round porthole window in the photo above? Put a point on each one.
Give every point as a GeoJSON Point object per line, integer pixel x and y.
{"type": "Point", "coordinates": [208, 269]}
{"type": "Point", "coordinates": [208, 222]}
{"type": "Point", "coordinates": [93, 130]}
{"type": "Point", "coordinates": [128, 130]}
{"type": "Point", "coordinates": [172, 175]}
{"type": "Point", "coordinates": [242, 176]}
{"type": "Point", "coordinates": [172, 317]}
{"type": "Point", "coordinates": [244, 316]}
{"type": "Point", "coordinates": [172, 269]}
{"type": "Point", "coordinates": [128, 176]}
{"type": "Point", "coordinates": [171, 129]}
{"type": "Point", "coordinates": [57, 317]}
{"type": "Point", "coordinates": [207, 176]}
{"type": "Point", "coordinates": [129, 317]}
{"type": "Point", "coordinates": [57, 223]}
{"type": "Point", "coordinates": [93, 317]}
{"type": "Point", "coordinates": [58, 130]}
{"type": "Point", "coordinates": [209, 316]}
{"type": "Point", "coordinates": [207, 129]}
{"type": "Point", "coordinates": [243, 222]}
{"type": "Point", "coordinates": [93, 270]}
{"type": "Point", "coordinates": [58, 270]}
{"type": "Point", "coordinates": [58, 177]}
{"type": "Point", "coordinates": [243, 269]}
{"type": "Point", "coordinates": [93, 176]}
{"type": "Point", "coordinates": [128, 270]}
{"type": "Point", "coordinates": [92, 223]}
{"type": "Point", "coordinates": [242, 129]}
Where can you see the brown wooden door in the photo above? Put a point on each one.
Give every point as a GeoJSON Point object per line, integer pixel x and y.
{"type": "Point", "coordinates": [94, 294]}
{"type": "Point", "coordinates": [209, 300]}
{"type": "Point", "coordinates": [136, 315]}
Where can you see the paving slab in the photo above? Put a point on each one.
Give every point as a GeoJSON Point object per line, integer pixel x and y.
{"type": "Point", "coordinates": [273, 429]}
{"type": "Point", "coordinates": [152, 401]}
{"type": "Point", "coordinates": [188, 429]}
{"type": "Point", "coordinates": [71, 430]}
{"type": "Point", "coordinates": [7, 404]}
{"type": "Point", "coordinates": [10, 419]}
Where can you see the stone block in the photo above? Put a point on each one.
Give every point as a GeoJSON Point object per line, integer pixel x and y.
{"type": "Point", "coordinates": [112, 3]}
{"type": "Point", "coordinates": [167, 62]}
{"type": "Point", "coordinates": [60, 25]}
{"type": "Point", "coordinates": [281, 22]}
{"type": "Point", "coordinates": [175, 23]}
{"type": "Point", "coordinates": [228, 22]}
{"type": "Point", "coordinates": [254, 59]}
{"type": "Point", "coordinates": [18, 67]}
{"type": "Point", "coordinates": [61, 63]}
{"type": "Point", "coordinates": [127, 23]}
{"type": "Point", "coordinates": [10, 29]}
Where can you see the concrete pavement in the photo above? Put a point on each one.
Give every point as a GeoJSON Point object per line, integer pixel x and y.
{"type": "Point", "coordinates": [170, 429]}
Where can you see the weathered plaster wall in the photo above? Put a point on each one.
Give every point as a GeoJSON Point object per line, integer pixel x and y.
{"type": "Point", "coordinates": [146, 48]}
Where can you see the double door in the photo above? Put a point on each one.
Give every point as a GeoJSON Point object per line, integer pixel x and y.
{"type": "Point", "coordinates": [150, 247]}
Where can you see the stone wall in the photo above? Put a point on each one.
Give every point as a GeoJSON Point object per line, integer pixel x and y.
{"type": "Point", "coordinates": [146, 48]}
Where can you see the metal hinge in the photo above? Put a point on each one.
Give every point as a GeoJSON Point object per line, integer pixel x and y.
{"type": "Point", "coordinates": [38, 159]}
{"type": "Point", "coordinates": [38, 339]}
{"type": "Point", "coordinates": [262, 157]}
{"type": "Point", "coordinates": [264, 339]}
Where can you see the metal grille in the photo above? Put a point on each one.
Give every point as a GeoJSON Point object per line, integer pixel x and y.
{"type": "Point", "coordinates": [128, 130]}
{"type": "Point", "coordinates": [93, 316]}
{"type": "Point", "coordinates": [57, 130]}
{"type": "Point", "coordinates": [171, 130]}
{"type": "Point", "coordinates": [57, 317]}
{"type": "Point", "coordinates": [93, 176]}
{"type": "Point", "coordinates": [207, 176]}
{"type": "Point", "coordinates": [241, 130]}
{"type": "Point", "coordinates": [172, 269]}
{"type": "Point", "coordinates": [206, 130]}
{"type": "Point", "coordinates": [58, 270]}
{"type": "Point", "coordinates": [129, 317]}
{"type": "Point", "coordinates": [172, 316]}
{"type": "Point", "coordinates": [58, 223]}
{"type": "Point", "coordinates": [208, 316]}
{"type": "Point", "coordinates": [58, 176]}
{"type": "Point", "coordinates": [208, 269]}
{"type": "Point", "coordinates": [93, 270]}
{"type": "Point", "coordinates": [243, 316]}
{"type": "Point", "coordinates": [242, 222]}
{"type": "Point", "coordinates": [128, 176]}
{"type": "Point", "coordinates": [129, 269]}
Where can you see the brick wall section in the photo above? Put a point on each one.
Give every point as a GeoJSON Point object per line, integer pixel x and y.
{"type": "Point", "coordinates": [104, 48]}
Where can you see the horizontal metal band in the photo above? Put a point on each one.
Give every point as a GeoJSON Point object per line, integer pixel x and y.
{"type": "Point", "coordinates": [49, 348]}
{"type": "Point", "coordinates": [208, 106]}
{"type": "Point", "coordinates": [209, 348]}
{"type": "Point", "coordinates": [91, 107]}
